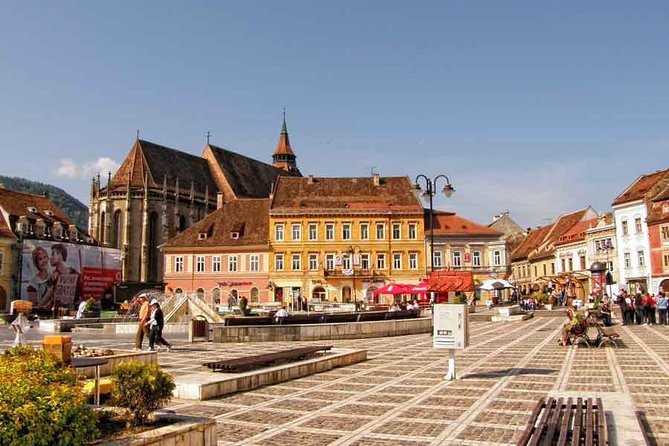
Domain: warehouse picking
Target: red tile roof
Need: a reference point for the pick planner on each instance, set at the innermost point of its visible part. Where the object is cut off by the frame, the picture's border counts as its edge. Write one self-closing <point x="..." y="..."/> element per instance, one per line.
<point x="450" y="224"/>
<point x="19" y="204"/>
<point x="641" y="187"/>
<point x="530" y="243"/>
<point x="333" y="194"/>
<point x="248" y="217"/>
<point x="577" y="232"/>
<point x="564" y="223"/>
<point x="283" y="147"/>
<point x="5" y="231"/>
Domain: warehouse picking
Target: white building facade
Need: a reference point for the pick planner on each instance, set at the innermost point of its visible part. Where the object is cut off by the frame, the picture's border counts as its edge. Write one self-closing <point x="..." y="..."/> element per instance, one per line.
<point x="632" y="245"/>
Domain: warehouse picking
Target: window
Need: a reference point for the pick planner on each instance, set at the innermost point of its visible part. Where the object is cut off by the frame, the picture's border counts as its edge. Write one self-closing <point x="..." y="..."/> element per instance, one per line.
<point x="346" y="261"/>
<point x="380" y="231"/>
<point x="413" y="231"/>
<point x="313" y="261"/>
<point x="665" y="233"/>
<point x="637" y="225"/>
<point x="436" y="259"/>
<point x="571" y="264"/>
<point x="329" y="262"/>
<point x="1" y="259"/>
<point x="397" y="260"/>
<point x="641" y="257"/>
<point x="254" y="262"/>
<point x="254" y="294"/>
<point x="476" y="258"/>
<point x="623" y="227"/>
<point x="278" y="232"/>
<point x="665" y="260"/>
<point x="380" y="260"/>
<point x="610" y="266"/>
<point x="216" y="264"/>
<point x="413" y="260"/>
<point x="364" y="231"/>
<point x="329" y="231"/>
<point x="564" y="265"/>
<point x="199" y="264"/>
<point x="544" y="268"/>
<point x="313" y="231"/>
<point x="497" y="257"/>
<point x="296" y="263"/>
<point x="457" y="259"/>
<point x="364" y="261"/>
<point x="627" y="260"/>
<point x="582" y="263"/>
<point x="346" y="231"/>
<point x="553" y="268"/>
<point x="278" y="262"/>
<point x="296" y="230"/>
<point x="178" y="264"/>
<point x="397" y="231"/>
<point x="232" y="264"/>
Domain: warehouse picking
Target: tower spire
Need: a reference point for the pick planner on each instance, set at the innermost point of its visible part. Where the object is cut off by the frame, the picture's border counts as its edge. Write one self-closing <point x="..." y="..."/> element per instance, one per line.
<point x="284" y="157"/>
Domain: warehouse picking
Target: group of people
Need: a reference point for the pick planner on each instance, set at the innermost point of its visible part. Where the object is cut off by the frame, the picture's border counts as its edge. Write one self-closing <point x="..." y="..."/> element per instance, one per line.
<point x="150" y="324"/>
<point x="403" y="306"/>
<point x="642" y="308"/>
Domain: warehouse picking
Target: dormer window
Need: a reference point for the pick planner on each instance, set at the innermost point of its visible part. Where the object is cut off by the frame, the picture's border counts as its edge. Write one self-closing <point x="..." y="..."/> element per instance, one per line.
<point x="234" y="235"/>
<point x="48" y="212"/>
<point x="32" y="209"/>
<point x="202" y="236"/>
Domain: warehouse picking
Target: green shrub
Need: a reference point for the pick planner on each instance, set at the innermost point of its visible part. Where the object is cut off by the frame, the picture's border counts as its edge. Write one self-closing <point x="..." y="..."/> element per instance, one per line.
<point x="140" y="389"/>
<point x="41" y="403"/>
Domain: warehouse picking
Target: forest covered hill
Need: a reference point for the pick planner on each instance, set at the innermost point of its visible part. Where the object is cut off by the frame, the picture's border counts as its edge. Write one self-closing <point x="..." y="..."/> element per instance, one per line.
<point x="75" y="209"/>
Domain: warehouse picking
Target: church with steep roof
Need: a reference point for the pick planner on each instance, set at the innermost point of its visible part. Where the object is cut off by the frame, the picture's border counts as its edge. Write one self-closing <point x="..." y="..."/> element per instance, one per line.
<point x="158" y="191"/>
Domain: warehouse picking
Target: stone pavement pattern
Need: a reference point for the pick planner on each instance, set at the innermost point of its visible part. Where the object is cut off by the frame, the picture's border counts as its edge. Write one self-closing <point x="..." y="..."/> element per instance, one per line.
<point x="399" y="396"/>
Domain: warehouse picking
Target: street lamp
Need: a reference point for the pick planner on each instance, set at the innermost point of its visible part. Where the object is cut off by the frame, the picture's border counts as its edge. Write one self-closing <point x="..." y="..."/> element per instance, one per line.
<point x="429" y="193"/>
<point x="607" y="247"/>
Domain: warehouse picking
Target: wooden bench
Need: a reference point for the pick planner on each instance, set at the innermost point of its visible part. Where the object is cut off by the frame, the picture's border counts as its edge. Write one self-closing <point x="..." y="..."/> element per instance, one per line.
<point x="258" y="361"/>
<point x="570" y="421"/>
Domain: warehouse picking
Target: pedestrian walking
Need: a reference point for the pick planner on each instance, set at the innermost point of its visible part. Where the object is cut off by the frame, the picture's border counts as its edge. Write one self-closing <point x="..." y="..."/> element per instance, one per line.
<point x="156" y="324"/>
<point x="142" y="321"/>
<point x="662" y="309"/>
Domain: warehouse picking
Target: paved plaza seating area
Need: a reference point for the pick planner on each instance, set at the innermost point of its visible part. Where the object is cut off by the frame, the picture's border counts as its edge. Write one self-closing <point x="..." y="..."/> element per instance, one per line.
<point x="399" y="397"/>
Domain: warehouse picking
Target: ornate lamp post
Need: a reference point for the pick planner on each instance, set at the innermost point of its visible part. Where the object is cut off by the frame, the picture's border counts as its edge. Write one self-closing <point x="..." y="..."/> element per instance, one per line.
<point x="428" y="193"/>
<point x="607" y="248"/>
<point x="351" y="253"/>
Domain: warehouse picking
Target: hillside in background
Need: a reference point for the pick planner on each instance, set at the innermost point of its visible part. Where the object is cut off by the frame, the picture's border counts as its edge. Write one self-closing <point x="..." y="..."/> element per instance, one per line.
<point x="75" y="209"/>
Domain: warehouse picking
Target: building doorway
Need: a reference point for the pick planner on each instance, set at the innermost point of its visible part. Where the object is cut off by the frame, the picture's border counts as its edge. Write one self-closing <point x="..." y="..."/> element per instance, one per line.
<point x="346" y="294"/>
<point x="664" y="287"/>
<point x="318" y="294"/>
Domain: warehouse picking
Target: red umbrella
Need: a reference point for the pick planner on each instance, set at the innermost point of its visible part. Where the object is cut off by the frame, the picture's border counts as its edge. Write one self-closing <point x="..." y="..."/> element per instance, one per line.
<point x="393" y="288"/>
<point x="421" y="288"/>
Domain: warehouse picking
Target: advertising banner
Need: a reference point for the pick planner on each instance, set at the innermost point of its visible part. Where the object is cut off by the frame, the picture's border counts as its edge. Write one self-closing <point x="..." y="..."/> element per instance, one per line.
<point x="61" y="274"/>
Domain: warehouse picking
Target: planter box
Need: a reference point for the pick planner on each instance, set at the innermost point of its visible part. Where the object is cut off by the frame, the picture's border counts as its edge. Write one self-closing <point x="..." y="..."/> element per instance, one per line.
<point x="186" y="430"/>
<point x="119" y="358"/>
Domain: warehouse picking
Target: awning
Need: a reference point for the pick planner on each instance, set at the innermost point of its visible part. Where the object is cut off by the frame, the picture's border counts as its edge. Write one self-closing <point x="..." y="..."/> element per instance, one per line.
<point x="450" y="281"/>
<point x="393" y="288"/>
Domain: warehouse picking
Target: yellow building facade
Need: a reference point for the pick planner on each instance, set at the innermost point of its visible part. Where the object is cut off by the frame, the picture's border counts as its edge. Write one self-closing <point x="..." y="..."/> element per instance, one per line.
<point x="339" y="239"/>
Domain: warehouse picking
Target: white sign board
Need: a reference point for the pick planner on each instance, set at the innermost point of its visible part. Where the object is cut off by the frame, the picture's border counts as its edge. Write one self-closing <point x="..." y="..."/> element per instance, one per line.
<point x="451" y="328"/>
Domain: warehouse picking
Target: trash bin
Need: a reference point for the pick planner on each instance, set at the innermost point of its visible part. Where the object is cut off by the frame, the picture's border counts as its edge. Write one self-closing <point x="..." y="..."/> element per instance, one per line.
<point x="61" y="346"/>
<point x="199" y="328"/>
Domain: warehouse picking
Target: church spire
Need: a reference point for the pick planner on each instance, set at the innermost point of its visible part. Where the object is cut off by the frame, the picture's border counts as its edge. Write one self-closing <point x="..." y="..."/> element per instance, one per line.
<point x="284" y="157"/>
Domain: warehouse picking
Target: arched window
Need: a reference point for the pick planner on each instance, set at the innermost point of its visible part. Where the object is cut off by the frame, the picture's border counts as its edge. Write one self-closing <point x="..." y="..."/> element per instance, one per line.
<point x="178" y="292"/>
<point x="318" y="293"/>
<point x="346" y="294"/>
<point x="117" y="235"/>
<point x="200" y="293"/>
<point x="216" y="295"/>
<point x="254" y="294"/>
<point x="103" y="222"/>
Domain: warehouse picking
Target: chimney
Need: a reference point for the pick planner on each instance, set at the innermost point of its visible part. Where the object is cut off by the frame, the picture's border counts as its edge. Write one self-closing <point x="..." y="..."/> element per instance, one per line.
<point x="310" y="179"/>
<point x="376" y="180"/>
<point x="219" y="200"/>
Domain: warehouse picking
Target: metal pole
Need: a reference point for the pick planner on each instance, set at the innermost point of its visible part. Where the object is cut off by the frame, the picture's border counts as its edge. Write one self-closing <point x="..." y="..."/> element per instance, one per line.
<point x="430" y="191"/>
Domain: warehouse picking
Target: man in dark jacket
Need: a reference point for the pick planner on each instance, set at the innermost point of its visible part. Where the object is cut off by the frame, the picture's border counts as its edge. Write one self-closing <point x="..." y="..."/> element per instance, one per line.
<point x="156" y="324"/>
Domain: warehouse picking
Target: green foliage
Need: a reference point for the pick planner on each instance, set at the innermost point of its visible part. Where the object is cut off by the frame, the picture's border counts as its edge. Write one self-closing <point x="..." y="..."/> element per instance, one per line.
<point x="541" y="298"/>
<point x="73" y="208"/>
<point x="41" y="403"/>
<point x="140" y="389"/>
<point x="90" y="304"/>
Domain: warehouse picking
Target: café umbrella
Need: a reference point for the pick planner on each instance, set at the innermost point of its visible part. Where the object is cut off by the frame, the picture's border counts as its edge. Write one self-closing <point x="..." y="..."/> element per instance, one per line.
<point x="393" y="288"/>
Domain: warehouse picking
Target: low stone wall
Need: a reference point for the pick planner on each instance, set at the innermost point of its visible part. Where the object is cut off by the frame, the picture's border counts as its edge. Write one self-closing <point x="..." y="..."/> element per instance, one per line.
<point x="322" y="332"/>
<point x="127" y="328"/>
<point x="185" y="431"/>
<point x="120" y="357"/>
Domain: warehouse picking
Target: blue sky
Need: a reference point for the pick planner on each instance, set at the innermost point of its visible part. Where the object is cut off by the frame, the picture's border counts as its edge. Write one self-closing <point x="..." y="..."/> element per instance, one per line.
<point x="537" y="107"/>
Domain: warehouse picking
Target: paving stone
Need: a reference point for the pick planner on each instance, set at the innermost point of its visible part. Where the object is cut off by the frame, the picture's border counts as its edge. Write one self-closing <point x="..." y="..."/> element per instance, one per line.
<point x="295" y="438"/>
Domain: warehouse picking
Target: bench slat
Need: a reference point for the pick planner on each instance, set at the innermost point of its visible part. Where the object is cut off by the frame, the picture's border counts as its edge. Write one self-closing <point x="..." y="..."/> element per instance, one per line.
<point x="566" y="423"/>
<point x="588" y="423"/>
<point x="576" y="432"/>
<point x="264" y="359"/>
<point x="601" y="423"/>
<point x="538" y="433"/>
<point x="553" y="422"/>
<point x="530" y="426"/>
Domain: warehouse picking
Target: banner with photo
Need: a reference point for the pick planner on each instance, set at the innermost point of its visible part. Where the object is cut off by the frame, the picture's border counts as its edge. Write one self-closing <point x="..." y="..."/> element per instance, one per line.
<point x="64" y="273"/>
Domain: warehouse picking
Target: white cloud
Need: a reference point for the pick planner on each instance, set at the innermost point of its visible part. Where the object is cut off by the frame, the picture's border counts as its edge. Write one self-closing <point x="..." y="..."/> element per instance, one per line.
<point x="67" y="168"/>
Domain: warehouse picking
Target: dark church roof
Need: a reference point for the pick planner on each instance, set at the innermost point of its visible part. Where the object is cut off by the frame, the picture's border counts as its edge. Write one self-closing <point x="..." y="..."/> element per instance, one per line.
<point x="247" y="177"/>
<point x="161" y="162"/>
